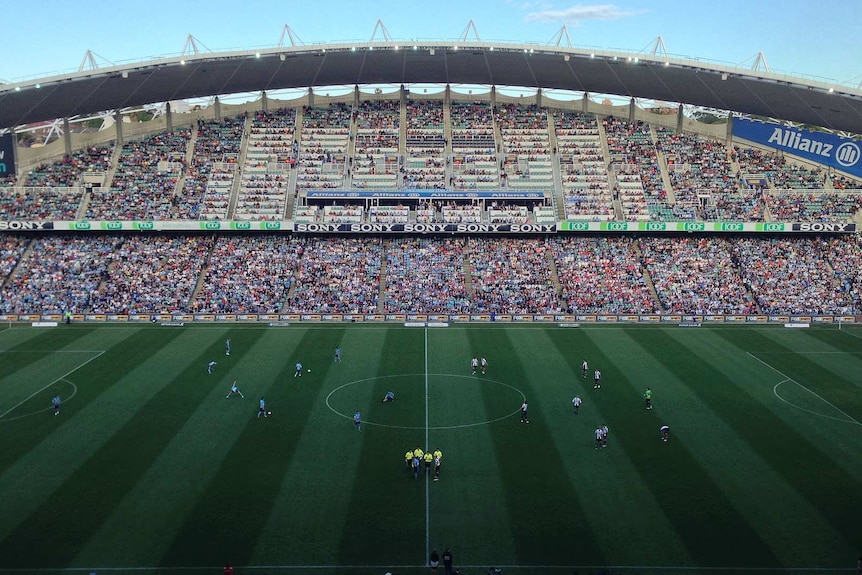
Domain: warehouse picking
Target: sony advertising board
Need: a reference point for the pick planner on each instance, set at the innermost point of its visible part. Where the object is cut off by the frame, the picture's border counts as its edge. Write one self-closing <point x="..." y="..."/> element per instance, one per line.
<point x="840" y="153"/>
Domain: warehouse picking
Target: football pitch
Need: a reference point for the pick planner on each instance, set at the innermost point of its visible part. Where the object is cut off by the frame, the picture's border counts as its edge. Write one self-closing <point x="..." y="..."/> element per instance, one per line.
<point x="150" y="468"/>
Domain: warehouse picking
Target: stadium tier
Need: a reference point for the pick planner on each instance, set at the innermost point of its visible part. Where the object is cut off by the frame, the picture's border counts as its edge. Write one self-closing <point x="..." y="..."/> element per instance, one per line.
<point x="433" y="161"/>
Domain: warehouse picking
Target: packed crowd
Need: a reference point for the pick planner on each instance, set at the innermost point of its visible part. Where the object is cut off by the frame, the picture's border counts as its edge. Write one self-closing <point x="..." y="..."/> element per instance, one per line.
<point x="248" y="274"/>
<point x="40" y="203"/>
<point x="338" y="275"/>
<point x="58" y="273"/>
<point x="277" y="273"/>
<point x="431" y="267"/>
<point x="789" y="276"/>
<point x="696" y="276"/>
<point x="512" y="275"/>
<point x="601" y="275"/>
<point x="782" y="174"/>
<point x="151" y="274"/>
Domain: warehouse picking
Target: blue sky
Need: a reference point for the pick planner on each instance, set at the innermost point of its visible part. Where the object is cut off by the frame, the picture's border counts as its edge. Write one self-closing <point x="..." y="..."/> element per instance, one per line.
<point x="818" y="38"/>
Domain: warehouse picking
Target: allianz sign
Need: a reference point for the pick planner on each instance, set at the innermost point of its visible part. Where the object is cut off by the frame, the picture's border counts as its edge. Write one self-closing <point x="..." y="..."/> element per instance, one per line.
<point x="840" y="153"/>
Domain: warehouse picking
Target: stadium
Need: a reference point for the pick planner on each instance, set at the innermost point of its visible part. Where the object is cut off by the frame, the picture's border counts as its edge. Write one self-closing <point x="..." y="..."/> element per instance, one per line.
<point x="414" y="224"/>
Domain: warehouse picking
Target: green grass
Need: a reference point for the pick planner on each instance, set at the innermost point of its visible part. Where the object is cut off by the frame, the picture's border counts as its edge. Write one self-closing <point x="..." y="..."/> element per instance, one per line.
<point x="150" y="469"/>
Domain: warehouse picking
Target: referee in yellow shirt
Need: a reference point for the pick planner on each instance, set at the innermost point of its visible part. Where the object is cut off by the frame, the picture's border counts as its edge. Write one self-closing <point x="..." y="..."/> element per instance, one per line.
<point x="408" y="459"/>
<point x="429" y="458"/>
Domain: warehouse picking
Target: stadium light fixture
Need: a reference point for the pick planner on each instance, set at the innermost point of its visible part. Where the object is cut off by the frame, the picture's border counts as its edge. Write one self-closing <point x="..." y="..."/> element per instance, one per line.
<point x="615" y="58"/>
<point x="396" y="47"/>
<point x="182" y="62"/>
<point x="353" y="48"/>
<point x="666" y="64"/>
<point x="432" y="51"/>
<point x="455" y="47"/>
<point x="257" y="54"/>
<point x="724" y="76"/>
<point x="371" y="47"/>
<point x="492" y="48"/>
<point x="592" y="55"/>
<point x="415" y="47"/>
<point x="635" y="60"/>
<point x="831" y="90"/>
<point x="125" y="74"/>
<point x="566" y="57"/>
<point x="38" y="86"/>
<point x="282" y="57"/>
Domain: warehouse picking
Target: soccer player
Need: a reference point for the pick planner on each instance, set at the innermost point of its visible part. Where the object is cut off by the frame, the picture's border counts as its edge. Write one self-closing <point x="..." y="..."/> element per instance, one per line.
<point x="474" y="364"/>
<point x="664" y="430"/>
<point x="524" y="412"/>
<point x="604" y="435"/>
<point x="337" y="358"/>
<point x="298" y="372"/>
<point x="261" y="410"/>
<point x="438" y="463"/>
<point x="227" y="346"/>
<point x="429" y="459"/>
<point x="576" y="403"/>
<point x="234" y="390"/>
<point x="584" y="369"/>
<point x="357" y="420"/>
<point x="390" y="396"/>
<point x="598" y="437"/>
<point x="55" y="401"/>
<point x="484" y="363"/>
<point x="211" y="366"/>
<point x="415" y="467"/>
<point x="648" y="398"/>
<point x="597" y="379"/>
<point x="408" y="459"/>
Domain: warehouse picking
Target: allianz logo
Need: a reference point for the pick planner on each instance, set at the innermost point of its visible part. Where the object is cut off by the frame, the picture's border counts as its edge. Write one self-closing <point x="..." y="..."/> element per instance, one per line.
<point x="847" y="154"/>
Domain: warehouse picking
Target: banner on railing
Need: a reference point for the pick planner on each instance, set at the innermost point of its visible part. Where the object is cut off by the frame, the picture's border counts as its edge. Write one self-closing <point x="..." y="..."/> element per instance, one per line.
<point x="843" y="154"/>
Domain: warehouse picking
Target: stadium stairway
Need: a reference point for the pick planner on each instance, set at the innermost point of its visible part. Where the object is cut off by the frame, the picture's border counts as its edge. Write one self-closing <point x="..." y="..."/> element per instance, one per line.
<point x="646" y="275"/>
<point x="240" y="162"/>
<point x="205" y="268"/>
<point x="181" y="181"/>
<point x="468" y="278"/>
<point x="112" y="170"/>
<point x="555" y="275"/>
<point x="612" y="178"/>
<point x="381" y="294"/>
<point x="293" y="175"/>
<point x="559" y="199"/>
<point x="662" y="164"/>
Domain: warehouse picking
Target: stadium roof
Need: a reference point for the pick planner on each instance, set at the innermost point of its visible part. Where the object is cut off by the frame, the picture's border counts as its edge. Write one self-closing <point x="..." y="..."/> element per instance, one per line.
<point x="476" y="62"/>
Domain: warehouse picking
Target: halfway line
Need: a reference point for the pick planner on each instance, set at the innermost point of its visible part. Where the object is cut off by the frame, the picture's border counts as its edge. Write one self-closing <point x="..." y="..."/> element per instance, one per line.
<point x="427" y="446"/>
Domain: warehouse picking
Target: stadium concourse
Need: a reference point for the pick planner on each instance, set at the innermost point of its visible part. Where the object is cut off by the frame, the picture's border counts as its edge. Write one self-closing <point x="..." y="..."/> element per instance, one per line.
<point x="429" y="161"/>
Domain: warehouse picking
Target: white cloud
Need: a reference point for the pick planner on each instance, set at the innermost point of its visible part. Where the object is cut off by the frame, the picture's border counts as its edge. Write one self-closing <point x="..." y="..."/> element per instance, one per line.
<point x="575" y="14"/>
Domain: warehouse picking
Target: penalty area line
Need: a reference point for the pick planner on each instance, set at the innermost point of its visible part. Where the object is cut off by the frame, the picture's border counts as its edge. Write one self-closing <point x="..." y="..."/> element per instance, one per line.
<point x="59" y="379"/>
<point x="815" y="394"/>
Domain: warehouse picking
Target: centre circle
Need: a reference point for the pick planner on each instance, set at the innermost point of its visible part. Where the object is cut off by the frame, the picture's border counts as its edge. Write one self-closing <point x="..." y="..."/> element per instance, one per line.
<point x="452" y="401"/>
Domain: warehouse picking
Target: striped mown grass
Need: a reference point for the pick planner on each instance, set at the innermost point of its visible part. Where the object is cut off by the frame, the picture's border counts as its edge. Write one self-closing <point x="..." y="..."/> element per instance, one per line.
<point x="149" y="468"/>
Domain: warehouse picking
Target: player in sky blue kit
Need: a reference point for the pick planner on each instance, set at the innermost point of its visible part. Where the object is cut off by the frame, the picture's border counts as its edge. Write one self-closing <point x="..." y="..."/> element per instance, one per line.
<point x="234" y="390"/>
<point x="261" y="410"/>
<point x="357" y="421"/>
<point x="211" y="366"/>
<point x="56" y="403"/>
<point x="298" y="372"/>
<point x="227" y="346"/>
<point x="337" y="355"/>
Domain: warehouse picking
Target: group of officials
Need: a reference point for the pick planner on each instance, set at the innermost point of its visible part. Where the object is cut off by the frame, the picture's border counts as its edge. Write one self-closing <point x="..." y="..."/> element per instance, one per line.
<point x="414" y="458"/>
